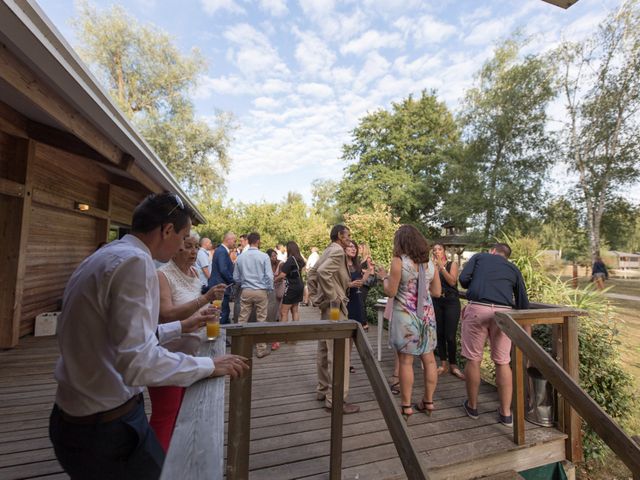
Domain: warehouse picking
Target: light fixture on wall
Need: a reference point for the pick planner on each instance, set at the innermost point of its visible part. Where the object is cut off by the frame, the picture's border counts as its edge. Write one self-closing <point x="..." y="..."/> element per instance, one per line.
<point x="83" y="207"/>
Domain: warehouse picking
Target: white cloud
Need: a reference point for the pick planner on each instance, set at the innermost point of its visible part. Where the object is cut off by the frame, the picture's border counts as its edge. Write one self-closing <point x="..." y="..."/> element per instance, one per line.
<point x="317" y="8"/>
<point x="266" y="103"/>
<point x="276" y="8"/>
<point x="372" y="40"/>
<point x="313" y="55"/>
<point x="212" y="6"/>
<point x="425" y="30"/>
<point x="253" y="54"/>
<point x="489" y="31"/>
<point x="318" y="90"/>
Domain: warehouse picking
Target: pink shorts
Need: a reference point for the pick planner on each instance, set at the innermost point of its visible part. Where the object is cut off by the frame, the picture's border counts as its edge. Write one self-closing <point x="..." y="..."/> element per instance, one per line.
<point x="477" y="325"/>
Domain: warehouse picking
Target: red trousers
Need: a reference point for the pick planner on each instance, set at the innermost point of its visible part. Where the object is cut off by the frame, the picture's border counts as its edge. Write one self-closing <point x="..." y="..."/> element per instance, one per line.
<point x="165" y="405"/>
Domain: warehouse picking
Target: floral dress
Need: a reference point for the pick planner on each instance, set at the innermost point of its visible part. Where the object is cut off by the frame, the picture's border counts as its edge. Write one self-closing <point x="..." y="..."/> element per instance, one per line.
<point x="408" y="333"/>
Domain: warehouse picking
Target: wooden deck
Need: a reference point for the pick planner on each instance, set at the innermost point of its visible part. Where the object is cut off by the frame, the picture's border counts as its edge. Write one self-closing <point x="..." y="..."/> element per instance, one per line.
<point x="289" y="427"/>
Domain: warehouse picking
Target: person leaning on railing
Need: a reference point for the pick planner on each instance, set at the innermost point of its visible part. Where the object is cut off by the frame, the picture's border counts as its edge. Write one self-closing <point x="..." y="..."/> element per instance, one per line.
<point x="109" y="341"/>
<point x="493" y="284"/>
<point x="180" y="297"/>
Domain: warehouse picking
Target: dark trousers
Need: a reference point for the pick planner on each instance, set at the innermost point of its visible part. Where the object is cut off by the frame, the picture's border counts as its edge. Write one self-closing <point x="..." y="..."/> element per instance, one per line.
<point x="225" y="310"/>
<point x="125" y="448"/>
<point x="447" y="312"/>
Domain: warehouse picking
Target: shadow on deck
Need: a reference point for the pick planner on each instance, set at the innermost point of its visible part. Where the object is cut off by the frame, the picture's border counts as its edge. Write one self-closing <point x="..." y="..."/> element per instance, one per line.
<point x="290" y="430"/>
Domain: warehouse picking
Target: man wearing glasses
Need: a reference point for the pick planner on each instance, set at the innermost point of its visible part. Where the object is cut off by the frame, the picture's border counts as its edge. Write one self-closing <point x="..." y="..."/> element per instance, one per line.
<point x="109" y="341"/>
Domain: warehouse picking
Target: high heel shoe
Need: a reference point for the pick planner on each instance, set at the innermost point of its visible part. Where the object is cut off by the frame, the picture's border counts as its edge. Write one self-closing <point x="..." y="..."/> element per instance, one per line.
<point x="403" y="411"/>
<point x="425" y="407"/>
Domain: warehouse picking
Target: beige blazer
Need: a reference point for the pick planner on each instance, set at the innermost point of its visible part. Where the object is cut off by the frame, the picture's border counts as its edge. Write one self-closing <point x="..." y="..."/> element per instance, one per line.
<point x="329" y="279"/>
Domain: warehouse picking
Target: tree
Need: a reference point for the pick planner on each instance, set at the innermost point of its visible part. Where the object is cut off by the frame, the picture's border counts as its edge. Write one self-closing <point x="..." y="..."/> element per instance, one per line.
<point x="375" y="227"/>
<point x="619" y="224"/>
<point x="506" y="157"/>
<point x="563" y="228"/>
<point x="324" y="201"/>
<point x="398" y="157"/>
<point x="600" y="81"/>
<point x="150" y="79"/>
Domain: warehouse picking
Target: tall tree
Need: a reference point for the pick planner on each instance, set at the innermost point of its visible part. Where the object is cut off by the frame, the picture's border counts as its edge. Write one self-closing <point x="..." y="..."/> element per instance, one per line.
<point x="150" y="80"/>
<point x="397" y="158"/>
<point x="324" y="201"/>
<point x="503" y="166"/>
<point x="619" y="225"/>
<point x="600" y="81"/>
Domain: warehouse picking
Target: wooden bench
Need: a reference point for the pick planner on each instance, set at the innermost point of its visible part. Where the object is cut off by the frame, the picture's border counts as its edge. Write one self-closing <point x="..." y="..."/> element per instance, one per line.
<point x="197" y="445"/>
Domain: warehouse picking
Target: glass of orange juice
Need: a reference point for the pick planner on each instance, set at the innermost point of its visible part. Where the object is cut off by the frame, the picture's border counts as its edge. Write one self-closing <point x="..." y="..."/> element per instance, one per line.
<point x="217" y="304"/>
<point x="334" y="311"/>
<point x="213" y="329"/>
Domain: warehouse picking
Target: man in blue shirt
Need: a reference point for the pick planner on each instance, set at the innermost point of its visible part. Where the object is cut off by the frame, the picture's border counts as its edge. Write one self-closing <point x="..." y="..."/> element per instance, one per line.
<point x="254" y="274"/>
<point x="222" y="272"/>
<point x="493" y="284"/>
<point x="203" y="263"/>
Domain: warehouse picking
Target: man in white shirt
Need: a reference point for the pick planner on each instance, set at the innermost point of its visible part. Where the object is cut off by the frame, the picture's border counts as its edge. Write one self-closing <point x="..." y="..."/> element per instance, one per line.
<point x="109" y="350"/>
<point x="203" y="261"/>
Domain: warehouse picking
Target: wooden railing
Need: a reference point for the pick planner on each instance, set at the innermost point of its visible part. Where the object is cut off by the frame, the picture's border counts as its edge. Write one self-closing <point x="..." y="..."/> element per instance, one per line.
<point x="246" y="335"/>
<point x="576" y="400"/>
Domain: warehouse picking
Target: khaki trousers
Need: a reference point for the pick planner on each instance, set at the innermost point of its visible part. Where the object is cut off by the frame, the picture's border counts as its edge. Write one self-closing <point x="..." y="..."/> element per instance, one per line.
<point x="250" y="299"/>
<point x="324" y="363"/>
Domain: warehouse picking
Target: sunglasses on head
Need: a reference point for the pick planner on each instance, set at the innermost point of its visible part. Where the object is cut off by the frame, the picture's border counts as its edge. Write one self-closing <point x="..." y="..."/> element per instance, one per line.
<point x="179" y="204"/>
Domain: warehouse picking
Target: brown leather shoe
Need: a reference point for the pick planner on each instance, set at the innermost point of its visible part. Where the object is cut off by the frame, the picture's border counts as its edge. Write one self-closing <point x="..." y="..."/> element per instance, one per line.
<point x="347" y="408"/>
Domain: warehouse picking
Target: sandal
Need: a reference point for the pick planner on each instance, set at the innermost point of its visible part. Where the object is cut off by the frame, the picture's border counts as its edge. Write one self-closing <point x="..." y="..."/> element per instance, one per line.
<point x="365" y="327"/>
<point x="275" y="345"/>
<point x="425" y="407"/>
<point x="352" y="370"/>
<point x="405" y="414"/>
<point x="441" y="370"/>
<point x="394" y="384"/>
<point x="456" y="372"/>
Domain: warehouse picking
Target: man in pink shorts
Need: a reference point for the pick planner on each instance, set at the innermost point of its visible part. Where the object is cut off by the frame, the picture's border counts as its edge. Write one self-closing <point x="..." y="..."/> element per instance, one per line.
<point x="493" y="284"/>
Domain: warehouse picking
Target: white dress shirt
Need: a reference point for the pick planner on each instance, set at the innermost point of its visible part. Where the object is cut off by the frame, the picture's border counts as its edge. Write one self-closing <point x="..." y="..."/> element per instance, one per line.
<point x="107" y="333"/>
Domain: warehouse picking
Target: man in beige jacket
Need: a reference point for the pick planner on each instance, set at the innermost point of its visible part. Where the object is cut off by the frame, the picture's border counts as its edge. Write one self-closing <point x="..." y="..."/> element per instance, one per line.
<point x="328" y="281"/>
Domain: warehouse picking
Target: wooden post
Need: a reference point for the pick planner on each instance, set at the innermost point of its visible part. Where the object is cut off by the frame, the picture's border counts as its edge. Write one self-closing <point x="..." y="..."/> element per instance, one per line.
<point x="575" y="274"/>
<point x="337" y="393"/>
<point x="518" y="396"/>
<point x="240" y="414"/>
<point x="636" y="438"/>
<point x="571" y="365"/>
<point x="104" y="202"/>
<point x="15" y="214"/>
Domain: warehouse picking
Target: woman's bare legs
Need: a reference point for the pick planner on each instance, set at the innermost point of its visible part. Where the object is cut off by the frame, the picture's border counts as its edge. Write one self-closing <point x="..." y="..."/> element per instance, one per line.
<point x="284" y="312"/>
<point x="295" y="313"/>
<point x="406" y="377"/>
<point x="430" y="378"/>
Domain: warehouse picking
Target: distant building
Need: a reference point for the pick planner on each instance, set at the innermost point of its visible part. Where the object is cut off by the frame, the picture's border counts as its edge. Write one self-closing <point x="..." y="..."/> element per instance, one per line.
<point x="622" y="260"/>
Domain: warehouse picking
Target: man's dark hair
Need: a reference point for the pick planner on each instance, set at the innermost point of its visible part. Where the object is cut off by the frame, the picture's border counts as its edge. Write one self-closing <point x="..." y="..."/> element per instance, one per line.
<point x="244" y="236"/>
<point x="336" y="231"/>
<point x="253" y="238"/>
<point x="503" y="249"/>
<point x="160" y="209"/>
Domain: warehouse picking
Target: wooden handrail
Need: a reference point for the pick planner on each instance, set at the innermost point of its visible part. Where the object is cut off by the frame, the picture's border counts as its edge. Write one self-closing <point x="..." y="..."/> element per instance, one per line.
<point x="245" y="335"/>
<point x="621" y="444"/>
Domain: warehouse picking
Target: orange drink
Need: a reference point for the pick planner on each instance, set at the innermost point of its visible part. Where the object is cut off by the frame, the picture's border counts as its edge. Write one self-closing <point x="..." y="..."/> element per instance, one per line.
<point x="334" y="314"/>
<point x="213" y="330"/>
<point x="217" y="303"/>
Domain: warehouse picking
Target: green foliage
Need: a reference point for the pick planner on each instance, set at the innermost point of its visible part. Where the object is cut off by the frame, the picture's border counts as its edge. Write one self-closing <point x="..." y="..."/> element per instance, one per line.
<point x="279" y="222"/>
<point x="562" y="229"/>
<point x="398" y="157"/>
<point x="377" y="228"/>
<point x="601" y="372"/>
<point x="150" y="80"/>
<point x="507" y="147"/>
<point x="619" y="227"/>
<point x="324" y="201"/>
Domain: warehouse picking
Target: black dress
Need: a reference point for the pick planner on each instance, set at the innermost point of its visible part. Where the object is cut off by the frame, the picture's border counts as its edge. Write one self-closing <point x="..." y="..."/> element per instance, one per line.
<point x="294" y="287"/>
<point x="355" y="306"/>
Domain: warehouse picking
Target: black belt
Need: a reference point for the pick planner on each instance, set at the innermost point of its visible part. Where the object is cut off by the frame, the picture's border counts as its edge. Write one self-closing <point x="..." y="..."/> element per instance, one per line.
<point x="104" y="417"/>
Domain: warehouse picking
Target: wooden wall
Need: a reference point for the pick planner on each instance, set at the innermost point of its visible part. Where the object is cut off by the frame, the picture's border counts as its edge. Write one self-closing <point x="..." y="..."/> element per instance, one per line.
<point x="55" y="236"/>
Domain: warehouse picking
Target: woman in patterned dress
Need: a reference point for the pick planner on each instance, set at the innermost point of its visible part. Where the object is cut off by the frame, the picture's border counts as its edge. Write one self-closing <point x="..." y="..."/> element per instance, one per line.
<point x="412" y="282"/>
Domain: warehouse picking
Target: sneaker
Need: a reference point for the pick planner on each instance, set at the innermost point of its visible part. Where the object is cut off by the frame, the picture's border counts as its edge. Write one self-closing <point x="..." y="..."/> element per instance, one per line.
<point x="471" y="412"/>
<point x="506" y="420"/>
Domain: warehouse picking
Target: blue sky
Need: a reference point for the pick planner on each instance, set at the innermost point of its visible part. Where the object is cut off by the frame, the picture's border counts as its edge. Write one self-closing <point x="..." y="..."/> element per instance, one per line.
<point x="299" y="74"/>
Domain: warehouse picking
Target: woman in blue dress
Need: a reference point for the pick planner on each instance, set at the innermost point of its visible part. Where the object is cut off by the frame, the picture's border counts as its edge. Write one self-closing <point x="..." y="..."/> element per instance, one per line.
<point x="412" y="282"/>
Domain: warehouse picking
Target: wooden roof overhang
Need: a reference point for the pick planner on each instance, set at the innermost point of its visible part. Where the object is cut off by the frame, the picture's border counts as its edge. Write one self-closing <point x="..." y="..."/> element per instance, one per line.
<point x="44" y="81"/>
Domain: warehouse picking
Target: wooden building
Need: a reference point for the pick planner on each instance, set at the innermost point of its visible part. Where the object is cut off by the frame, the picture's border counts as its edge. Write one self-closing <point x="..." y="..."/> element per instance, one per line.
<point x="72" y="168"/>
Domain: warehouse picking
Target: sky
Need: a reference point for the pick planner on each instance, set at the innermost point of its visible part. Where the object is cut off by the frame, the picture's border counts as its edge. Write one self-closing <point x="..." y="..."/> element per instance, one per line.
<point x="298" y="75"/>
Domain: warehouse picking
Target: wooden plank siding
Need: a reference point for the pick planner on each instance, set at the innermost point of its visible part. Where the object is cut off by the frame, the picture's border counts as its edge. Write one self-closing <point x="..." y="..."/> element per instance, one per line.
<point x="56" y="236"/>
<point x="290" y="431"/>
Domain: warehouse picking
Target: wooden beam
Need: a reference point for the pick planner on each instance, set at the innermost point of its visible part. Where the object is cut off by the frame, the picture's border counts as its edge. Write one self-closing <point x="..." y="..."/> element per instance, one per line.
<point x="561" y="3"/>
<point x="104" y="224"/>
<point x="587" y="408"/>
<point x="14" y="229"/>
<point x="12" y="122"/>
<point x="63" y="140"/>
<point x="518" y="396"/>
<point x="571" y="364"/>
<point x="11" y="188"/>
<point x="337" y="393"/>
<point x="22" y="79"/>
<point x="239" y="431"/>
